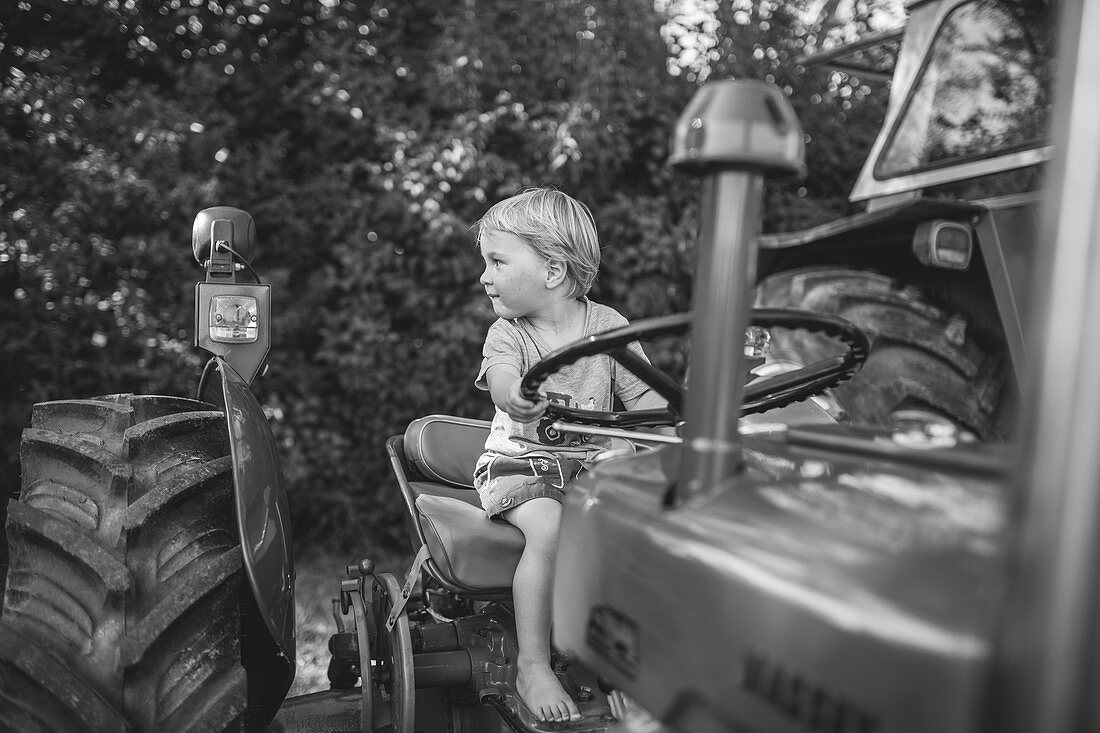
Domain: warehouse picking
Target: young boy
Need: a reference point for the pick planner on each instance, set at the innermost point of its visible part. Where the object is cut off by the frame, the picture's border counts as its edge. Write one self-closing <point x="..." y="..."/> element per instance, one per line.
<point x="541" y="256"/>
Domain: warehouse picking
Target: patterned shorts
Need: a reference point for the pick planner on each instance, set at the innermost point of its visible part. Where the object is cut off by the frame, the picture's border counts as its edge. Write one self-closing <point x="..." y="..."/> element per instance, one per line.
<point x="504" y="482"/>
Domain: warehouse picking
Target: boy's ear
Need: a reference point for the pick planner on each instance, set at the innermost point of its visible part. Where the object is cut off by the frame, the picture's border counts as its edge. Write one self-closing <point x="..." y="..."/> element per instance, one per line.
<point x="555" y="273"/>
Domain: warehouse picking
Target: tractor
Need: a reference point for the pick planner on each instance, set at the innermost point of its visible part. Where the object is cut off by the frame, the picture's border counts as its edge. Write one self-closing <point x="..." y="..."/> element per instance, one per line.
<point x="853" y="529"/>
<point x="936" y="268"/>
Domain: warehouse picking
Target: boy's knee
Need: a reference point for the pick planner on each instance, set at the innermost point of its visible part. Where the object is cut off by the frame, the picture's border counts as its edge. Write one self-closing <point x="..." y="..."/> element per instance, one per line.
<point x="544" y="535"/>
<point x="538" y="519"/>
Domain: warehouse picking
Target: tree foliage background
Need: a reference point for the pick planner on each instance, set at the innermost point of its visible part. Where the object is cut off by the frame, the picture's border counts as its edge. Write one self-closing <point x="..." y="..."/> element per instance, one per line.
<point x="365" y="137"/>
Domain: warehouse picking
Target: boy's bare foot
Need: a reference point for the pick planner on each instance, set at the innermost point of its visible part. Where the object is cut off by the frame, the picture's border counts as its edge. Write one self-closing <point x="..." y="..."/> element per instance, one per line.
<point x="540" y="690"/>
<point x="617" y="702"/>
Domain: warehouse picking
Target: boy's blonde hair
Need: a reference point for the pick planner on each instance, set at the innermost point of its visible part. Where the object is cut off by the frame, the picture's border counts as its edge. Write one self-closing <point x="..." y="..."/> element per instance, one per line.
<point x="556" y="225"/>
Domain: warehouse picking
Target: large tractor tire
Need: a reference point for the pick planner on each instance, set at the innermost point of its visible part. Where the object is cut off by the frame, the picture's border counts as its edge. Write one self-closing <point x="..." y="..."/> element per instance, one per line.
<point x="123" y="597"/>
<point x="922" y="358"/>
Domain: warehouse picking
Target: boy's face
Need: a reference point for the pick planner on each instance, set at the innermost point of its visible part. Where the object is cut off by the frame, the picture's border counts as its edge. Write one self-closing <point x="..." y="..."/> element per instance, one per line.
<point x="515" y="276"/>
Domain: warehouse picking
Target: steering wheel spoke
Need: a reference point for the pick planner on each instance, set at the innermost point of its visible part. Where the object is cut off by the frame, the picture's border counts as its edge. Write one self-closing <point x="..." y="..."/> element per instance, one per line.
<point x="661" y="383"/>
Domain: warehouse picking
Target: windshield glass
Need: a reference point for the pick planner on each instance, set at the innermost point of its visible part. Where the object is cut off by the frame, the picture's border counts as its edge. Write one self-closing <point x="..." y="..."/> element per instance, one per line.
<point x="985" y="89"/>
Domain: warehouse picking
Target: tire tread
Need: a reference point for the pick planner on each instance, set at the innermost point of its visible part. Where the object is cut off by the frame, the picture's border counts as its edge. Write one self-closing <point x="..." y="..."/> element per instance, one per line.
<point x="921" y="354"/>
<point x="125" y="571"/>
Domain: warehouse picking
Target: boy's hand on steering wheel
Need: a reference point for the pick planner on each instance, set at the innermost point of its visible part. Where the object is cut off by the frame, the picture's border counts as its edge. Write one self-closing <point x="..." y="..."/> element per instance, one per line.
<point x="521" y="409"/>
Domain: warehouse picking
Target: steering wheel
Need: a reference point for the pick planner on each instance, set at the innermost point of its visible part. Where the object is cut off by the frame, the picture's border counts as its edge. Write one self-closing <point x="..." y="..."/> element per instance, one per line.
<point x="760" y="396"/>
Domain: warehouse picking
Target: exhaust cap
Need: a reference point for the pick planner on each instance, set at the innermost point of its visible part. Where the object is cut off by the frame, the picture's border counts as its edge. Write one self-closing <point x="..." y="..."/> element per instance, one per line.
<point x="743" y="125"/>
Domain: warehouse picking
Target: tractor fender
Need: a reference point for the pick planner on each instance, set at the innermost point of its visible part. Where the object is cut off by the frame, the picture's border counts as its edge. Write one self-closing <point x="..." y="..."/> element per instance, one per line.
<point x="263" y="518"/>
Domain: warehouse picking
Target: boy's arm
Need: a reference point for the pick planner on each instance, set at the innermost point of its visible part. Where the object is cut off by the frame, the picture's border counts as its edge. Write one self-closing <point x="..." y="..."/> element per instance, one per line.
<point x="503" y="381"/>
<point x="648" y="400"/>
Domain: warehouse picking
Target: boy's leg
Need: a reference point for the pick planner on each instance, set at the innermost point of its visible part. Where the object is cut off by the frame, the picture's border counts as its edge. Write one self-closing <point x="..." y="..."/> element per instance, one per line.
<point x="532" y="586"/>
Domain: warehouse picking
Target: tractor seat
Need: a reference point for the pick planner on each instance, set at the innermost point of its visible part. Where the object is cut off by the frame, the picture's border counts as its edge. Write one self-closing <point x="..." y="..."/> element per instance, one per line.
<point x="434" y="461"/>
<point x="469" y="553"/>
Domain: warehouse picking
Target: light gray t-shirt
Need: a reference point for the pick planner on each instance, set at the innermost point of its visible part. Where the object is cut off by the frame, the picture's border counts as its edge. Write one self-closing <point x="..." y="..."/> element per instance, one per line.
<point x="588" y="384"/>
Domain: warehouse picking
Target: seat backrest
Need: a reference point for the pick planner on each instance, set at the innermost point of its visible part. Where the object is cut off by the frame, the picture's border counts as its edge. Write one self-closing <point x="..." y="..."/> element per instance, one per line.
<point x="445" y="448"/>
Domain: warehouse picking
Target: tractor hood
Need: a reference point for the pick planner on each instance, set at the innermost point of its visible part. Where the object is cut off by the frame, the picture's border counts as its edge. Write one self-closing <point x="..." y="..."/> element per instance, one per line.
<point x="882" y="224"/>
<point x="834" y="555"/>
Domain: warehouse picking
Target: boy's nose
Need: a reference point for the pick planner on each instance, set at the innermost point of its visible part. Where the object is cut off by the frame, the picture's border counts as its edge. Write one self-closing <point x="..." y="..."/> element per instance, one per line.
<point x="485" y="279"/>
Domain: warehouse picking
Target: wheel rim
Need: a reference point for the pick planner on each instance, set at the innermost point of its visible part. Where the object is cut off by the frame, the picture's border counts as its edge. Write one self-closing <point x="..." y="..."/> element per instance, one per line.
<point x="394" y="653"/>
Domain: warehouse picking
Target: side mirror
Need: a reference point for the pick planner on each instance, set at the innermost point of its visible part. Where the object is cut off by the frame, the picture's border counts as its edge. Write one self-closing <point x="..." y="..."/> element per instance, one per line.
<point x="232" y="319"/>
<point x="223" y="224"/>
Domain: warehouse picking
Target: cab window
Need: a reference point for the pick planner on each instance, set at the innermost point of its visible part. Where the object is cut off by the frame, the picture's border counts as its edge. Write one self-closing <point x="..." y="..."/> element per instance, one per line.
<point x="985" y="89"/>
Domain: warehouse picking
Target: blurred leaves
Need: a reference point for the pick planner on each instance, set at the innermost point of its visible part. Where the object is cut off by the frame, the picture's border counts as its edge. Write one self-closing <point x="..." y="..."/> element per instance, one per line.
<point x="365" y="138"/>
